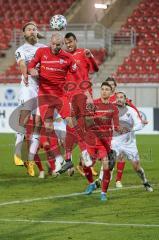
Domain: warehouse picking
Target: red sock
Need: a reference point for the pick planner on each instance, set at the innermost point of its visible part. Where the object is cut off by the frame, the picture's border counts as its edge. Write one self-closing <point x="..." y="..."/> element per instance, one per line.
<point x="38" y="163"/>
<point x="88" y="174"/>
<point x="106" y="180"/>
<point x="50" y="160"/>
<point x="51" y="163"/>
<point x="120" y="169"/>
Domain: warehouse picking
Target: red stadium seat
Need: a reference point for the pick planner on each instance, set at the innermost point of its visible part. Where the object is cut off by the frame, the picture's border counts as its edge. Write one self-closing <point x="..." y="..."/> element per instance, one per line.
<point x="144" y="59"/>
<point x="15" y="13"/>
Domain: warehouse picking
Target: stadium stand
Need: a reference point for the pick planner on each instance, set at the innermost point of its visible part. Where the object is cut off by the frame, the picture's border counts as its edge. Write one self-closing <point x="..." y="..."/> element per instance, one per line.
<point x="16" y="13"/>
<point x="142" y="65"/>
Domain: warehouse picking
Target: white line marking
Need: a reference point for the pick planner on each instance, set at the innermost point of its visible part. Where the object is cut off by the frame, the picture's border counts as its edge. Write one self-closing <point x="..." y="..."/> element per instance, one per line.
<point x="82" y="222"/>
<point x="61" y="196"/>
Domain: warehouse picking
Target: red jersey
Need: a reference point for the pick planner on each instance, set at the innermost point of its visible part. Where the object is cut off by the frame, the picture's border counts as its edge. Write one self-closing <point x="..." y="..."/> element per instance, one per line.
<point x="105" y="119"/>
<point x="85" y="65"/>
<point x="53" y="69"/>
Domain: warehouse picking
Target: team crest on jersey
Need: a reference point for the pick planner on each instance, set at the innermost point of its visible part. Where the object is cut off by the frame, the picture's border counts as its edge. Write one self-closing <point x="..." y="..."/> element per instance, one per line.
<point x="61" y="61"/>
<point x="45" y="56"/>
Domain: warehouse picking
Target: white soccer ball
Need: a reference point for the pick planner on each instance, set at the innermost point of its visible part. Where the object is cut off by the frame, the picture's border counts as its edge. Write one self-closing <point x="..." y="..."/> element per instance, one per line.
<point x="58" y="22"/>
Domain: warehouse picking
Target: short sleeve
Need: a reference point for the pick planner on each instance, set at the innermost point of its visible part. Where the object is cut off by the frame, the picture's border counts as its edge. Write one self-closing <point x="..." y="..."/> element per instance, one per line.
<point x="19" y="55"/>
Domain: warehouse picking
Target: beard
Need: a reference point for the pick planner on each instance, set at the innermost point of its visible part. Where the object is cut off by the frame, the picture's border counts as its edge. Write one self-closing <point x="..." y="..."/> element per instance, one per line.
<point x="31" y="39"/>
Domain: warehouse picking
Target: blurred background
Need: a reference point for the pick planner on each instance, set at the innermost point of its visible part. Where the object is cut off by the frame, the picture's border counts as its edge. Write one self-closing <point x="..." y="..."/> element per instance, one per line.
<point x="123" y="35"/>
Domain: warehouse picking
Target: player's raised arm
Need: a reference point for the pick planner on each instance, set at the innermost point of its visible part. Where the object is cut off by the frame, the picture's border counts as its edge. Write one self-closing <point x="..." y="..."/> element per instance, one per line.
<point x="20" y="58"/>
<point x="32" y="64"/>
<point x="129" y="103"/>
<point x="91" y="60"/>
<point x="138" y="125"/>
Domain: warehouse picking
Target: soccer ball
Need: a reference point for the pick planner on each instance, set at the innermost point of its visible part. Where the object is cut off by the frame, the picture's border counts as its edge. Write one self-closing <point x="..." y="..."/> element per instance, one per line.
<point x="58" y="22"/>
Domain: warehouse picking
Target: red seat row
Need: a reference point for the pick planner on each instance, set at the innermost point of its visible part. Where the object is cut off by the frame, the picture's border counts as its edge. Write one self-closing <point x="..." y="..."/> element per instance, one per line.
<point x="14" y="14"/>
<point x="142" y="65"/>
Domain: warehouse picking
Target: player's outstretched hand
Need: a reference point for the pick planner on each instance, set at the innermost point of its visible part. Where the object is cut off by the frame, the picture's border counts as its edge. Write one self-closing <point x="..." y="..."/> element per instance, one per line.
<point x="34" y="72"/>
<point x="145" y="122"/>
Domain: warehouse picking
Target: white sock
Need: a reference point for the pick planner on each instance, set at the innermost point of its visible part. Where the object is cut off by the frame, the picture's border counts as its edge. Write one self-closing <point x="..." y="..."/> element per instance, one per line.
<point x="19" y="143"/>
<point x="59" y="159"/>
<point x="101" y="173"/>
<point x="141" y="174"/>
<point x="33" y="146"/>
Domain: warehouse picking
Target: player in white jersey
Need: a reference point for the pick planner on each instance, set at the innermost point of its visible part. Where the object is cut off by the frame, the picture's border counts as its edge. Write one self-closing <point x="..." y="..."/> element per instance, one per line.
<point x="27" y="94"/>
<point x="125" y="144"/>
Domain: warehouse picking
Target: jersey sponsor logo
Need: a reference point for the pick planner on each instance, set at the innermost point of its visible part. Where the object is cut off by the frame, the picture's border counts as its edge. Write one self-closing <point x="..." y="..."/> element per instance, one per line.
<point x="62" y="61"/>
<point x="54" y="69"/>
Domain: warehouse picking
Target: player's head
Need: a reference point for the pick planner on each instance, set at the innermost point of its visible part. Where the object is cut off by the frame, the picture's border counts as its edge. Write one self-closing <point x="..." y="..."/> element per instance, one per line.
<point x="56" y="42"/>
<point x="106" y="90"/>
<point x="30" y="32"/>
<point x="112" y="82"/>
<point x="70" y="42"/>
<point x="120" y="98"/>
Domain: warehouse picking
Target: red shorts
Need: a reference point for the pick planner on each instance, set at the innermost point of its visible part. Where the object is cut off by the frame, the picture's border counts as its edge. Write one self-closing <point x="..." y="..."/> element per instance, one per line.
<point x="48" y="103"/>
<point x="97" y="148"/>
<point x="97" y="152"/>
<point x="53" y="141"/>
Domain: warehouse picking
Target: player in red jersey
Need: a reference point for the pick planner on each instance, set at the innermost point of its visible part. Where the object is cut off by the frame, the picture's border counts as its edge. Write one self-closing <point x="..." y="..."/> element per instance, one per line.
<point x="81" y="90"/>
<point x="54" y="66"/>
<point x="121" y="164"/>
<point x="99" y="134"/>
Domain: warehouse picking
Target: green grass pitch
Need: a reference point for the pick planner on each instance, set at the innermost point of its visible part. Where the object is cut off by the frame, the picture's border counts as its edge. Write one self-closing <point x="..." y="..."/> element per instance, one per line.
<point x="34" y="209"/>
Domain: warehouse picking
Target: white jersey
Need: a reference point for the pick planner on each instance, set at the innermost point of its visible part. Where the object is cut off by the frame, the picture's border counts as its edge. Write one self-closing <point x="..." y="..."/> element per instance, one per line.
<point x="126" y="143"/>
<point x="26" y="52"/>
<point x="129" y="119"/>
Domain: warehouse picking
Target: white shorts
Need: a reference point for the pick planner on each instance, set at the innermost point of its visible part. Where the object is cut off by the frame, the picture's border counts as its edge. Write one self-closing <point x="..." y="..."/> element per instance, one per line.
<point x="28" y="98"/>
<point x="130" y="150"/>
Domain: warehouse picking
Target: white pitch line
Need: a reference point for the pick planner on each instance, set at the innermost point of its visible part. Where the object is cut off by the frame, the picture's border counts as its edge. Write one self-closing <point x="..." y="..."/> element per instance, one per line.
<point x="83" y="222"/>
<point x="60" y="196"/>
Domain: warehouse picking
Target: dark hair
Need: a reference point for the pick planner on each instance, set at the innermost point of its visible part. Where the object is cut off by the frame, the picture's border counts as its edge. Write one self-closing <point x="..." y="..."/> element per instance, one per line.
<point x="122" y="93"/>
<point x="106" y="84"/>
<point x="112" y="80"/>
<point x="70" y="34"/>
